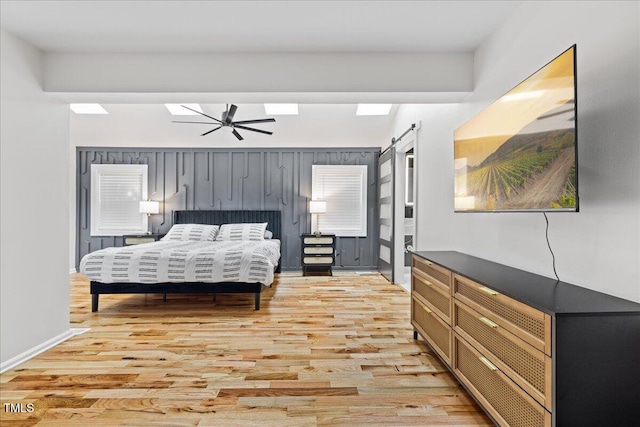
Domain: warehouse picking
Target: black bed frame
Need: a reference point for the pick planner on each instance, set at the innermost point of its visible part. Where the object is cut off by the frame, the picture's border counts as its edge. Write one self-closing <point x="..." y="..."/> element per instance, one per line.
<point x="273" y="218"/>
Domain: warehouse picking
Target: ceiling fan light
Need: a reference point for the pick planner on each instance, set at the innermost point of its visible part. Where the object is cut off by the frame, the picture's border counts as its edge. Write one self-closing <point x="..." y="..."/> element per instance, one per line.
<point x="228" y="124"/>
<point x="373" y="109"/>
<point x="281" y="109"/>
<point x="178" y="110"/>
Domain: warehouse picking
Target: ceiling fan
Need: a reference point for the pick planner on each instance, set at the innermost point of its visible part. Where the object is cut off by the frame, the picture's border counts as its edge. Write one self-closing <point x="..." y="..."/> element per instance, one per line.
<point x="227" y="121"/>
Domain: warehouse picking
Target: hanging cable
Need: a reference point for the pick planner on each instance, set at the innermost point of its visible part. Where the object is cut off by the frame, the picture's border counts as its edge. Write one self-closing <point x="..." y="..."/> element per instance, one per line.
<point x="553" y="257"/>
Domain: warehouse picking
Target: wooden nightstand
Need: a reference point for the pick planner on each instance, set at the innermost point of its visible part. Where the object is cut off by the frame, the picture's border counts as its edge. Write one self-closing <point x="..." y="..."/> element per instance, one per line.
<point x="318" y="254"/>
<point x="137" y="239"/>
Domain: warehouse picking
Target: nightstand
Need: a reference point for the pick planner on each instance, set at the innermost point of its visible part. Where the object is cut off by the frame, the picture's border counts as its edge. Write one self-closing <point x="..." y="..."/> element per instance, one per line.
<point x="136" y="239"/>
<point x="318" y="254"/>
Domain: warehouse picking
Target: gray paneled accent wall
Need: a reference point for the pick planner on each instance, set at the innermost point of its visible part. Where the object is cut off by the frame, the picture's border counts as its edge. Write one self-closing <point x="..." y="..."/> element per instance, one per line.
<point x="196" y="178"/>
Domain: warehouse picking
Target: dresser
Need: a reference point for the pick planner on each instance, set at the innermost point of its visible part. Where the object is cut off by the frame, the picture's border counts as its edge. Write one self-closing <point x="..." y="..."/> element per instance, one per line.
<point x="318" y="254"/>
<point x="532" y="351"/>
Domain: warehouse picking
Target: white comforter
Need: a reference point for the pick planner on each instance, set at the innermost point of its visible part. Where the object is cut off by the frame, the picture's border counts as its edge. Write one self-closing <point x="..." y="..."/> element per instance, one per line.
<point x="185" y="261"/>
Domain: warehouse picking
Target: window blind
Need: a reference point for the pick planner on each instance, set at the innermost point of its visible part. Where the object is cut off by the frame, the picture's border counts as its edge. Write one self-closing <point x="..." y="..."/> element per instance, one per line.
<point x="116" y="192"/>
<point x="344" y="188"/>
<point x="120" y="197"/>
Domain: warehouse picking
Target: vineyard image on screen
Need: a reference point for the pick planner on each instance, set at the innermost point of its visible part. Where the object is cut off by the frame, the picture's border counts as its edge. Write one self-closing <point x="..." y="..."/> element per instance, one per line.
<point x="520" y="152"/>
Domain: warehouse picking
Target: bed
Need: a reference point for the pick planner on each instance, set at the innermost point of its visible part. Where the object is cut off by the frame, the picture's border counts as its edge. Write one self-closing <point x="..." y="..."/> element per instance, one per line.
<point x="213" y="278"/>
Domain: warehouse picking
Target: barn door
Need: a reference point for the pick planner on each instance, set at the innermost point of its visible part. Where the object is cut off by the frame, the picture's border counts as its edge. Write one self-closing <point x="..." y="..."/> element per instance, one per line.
<point x="386" y="173"/>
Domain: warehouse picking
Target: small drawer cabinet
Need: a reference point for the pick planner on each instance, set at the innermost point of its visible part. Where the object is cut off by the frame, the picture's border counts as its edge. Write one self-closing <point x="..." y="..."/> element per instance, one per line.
<point x="318" y="254"/>
<point x="137" y="239"/>
<point x="533" y="352"/>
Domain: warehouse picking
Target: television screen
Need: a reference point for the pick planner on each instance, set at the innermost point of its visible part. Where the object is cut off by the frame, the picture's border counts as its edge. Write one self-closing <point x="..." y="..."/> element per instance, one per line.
<point x="519" y="154"/>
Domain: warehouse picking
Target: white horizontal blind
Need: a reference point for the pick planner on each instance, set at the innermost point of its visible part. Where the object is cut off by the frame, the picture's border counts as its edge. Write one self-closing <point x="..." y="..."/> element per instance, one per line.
<point x="344" y="188"/>
<point x="120" y="196"/>
<point x="116" y="192"/>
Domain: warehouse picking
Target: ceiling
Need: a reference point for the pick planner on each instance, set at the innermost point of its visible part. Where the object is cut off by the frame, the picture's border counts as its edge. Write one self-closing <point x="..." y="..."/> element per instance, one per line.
<point x="316" y="125"/>
<point x="254" y="26"/>
<point x="250" y="27"/>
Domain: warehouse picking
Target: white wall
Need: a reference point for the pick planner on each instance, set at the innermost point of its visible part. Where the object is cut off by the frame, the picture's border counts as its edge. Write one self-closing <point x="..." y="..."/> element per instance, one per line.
<point x="599" y="247"/>
<point x="34" y="285"/>
<point x="434" y="168"/>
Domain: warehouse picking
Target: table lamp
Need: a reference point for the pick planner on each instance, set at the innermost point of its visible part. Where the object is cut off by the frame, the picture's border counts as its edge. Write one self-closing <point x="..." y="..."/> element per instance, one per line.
<point x="149" y="207"/>
<point x="317" y="207"/>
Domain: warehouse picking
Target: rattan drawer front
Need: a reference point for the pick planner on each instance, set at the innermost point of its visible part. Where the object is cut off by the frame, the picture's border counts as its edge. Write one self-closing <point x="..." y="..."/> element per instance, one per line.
<point x="138" y="240"/>
<point x="318" y="260"/>
<point x="529" y="367"/>
<point x="501" y="397"/>
<point x="318" y="250"/>
<point x="436" y="294"/>
<point x="318" y="240"/>
<point x="437" y="273"/>
<point x="432" y="328"/>
<point x="526" y="322"/>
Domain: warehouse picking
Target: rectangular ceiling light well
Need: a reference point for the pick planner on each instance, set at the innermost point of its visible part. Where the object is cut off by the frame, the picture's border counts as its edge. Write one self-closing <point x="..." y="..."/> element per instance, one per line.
<point x="373" y="109"/>
<point x="178" y="110"/>
<point x="87" y="109"/>
<point x="281" y="109"/>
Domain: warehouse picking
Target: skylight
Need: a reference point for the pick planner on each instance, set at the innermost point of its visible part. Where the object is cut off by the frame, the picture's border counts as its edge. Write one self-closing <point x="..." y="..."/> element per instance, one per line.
<point x="281" y="109"/>
<point x="178" y="110"/>
<point x="87" y="109"/>
<point x="373" y="109"/>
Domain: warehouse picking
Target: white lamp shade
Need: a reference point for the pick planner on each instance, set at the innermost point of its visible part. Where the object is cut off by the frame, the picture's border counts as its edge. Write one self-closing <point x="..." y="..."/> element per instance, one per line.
<point x="149" y="207"/>
<point x="317" y="206"/>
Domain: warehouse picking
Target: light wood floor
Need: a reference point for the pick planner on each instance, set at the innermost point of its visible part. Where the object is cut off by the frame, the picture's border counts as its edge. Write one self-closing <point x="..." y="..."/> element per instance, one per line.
<point x="322" y="351"/>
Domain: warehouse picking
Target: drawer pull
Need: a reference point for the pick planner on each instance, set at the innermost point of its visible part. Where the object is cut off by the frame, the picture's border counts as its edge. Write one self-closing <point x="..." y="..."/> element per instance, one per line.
<point x="488" y="322"/>
<point x="427" y="310"/>
<point x="489" y="291"/>
<point x="488" y="364"/>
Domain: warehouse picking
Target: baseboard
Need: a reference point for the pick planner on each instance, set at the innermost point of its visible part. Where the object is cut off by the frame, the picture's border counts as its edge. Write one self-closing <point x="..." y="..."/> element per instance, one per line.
<point x="72" y="271"/>
<point x="40" y="348"/>
<point x="406" y="290"/>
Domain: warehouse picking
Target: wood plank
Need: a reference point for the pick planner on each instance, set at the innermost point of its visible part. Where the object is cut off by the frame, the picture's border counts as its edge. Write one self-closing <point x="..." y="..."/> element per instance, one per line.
<point x="322" y="351"/>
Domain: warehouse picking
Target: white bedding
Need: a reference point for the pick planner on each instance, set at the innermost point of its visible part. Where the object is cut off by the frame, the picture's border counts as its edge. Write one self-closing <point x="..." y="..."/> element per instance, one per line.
<point x="185" y="261"/>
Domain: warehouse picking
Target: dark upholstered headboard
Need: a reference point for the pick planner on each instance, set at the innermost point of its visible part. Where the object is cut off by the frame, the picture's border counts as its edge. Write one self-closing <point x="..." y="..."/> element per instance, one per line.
<point x="230" y="217"/>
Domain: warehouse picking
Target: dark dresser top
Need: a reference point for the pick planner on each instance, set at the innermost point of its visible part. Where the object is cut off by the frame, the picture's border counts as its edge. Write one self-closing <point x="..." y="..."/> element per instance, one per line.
<point x="545" y="294"/>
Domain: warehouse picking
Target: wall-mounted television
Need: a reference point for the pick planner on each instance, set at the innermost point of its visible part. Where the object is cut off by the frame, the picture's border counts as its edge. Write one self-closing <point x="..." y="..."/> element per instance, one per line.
<point x="520" y="153"/>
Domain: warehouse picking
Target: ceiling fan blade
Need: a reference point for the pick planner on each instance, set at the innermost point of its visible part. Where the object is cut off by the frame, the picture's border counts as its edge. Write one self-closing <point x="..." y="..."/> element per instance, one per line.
<point x="230" y="113"/>
<point x="237" y="135"/>
<point x="206" y="115"/>
<point x="204" y="123"/>
<point x="212" y="130"/>
<point x="254" y="130"/>
<point x="248" y="122"/>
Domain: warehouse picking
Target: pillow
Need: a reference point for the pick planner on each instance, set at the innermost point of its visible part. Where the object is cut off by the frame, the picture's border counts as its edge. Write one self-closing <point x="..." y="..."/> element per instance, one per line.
<point x="268" y="234"/>
<point x="192" y="232"/>
<point x="251" y="231"/>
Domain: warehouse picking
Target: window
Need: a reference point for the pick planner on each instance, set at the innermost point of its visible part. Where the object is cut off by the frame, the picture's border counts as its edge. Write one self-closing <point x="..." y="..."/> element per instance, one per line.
<point x="344" y="188"/>
<point x="116" y="192"/>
